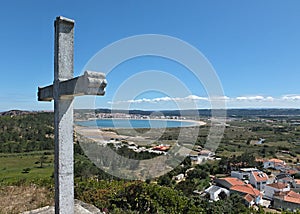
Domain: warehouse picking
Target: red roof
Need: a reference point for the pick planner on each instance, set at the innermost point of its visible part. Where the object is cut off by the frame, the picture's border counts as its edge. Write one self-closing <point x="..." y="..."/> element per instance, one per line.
<point x="204" y="152"/>
<point x="291" y="171"/>
<point x="233" y="181"/>
<point x="297" y="181"/>
<point x="275" y="160"/>
<point x="293" y="194"/>
<point x="289" y="196"/>
<point x="292" y="197"/>
<point x="246" y="188"/>
<point x="161" y="148"/>
<point x="260" y="160"/>
<point x="260" y="176"/>
<point x="248" y="198"/>
<point x="278" y="185"/>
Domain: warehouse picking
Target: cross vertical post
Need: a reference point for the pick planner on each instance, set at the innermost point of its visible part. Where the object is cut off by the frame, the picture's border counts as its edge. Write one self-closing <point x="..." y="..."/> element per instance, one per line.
<point x="62" y="91"/>
<point x="63" y="117"/>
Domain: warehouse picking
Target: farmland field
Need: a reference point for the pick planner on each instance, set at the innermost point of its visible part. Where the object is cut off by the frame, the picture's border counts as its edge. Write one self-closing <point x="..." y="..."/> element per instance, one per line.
<point x="16" y="167"/>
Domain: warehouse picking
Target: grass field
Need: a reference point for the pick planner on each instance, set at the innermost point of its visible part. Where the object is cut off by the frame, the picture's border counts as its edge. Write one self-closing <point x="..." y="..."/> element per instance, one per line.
<point x="16" y="167"/>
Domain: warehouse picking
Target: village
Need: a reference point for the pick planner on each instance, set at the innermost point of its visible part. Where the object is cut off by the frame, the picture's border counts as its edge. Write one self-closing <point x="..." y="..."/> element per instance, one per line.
<point x="122" y="115"/>
<point x="272" y="185"/>
<point x="277" y="189"/>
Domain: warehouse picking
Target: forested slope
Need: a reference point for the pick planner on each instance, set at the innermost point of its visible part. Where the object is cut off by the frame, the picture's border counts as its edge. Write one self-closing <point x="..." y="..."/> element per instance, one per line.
<point x="27" y="132"/>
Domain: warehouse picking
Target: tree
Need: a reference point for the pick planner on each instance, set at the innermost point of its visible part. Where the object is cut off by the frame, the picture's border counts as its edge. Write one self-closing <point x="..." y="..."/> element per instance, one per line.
<point x="164" y="180"/>
<point x="222" y="195"/>
<point x="152" y="198"/>
<point x="42" y="160"/>
<point x="26" y="170"/>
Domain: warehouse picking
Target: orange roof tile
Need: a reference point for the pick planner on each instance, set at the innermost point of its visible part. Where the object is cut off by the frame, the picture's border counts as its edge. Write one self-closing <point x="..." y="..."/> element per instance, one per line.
<point x="291" y="171"/>
<point x="248" y="198"/>
<point x="293" y="194"/>
<point x="161" y="148"/>
<point x="275" y="160"/>
<point x="292" y="197"/>
<point x="260" y="160"/>
<point x="289" y="196"/>
<point x="246" y="188"/>
<point x="297" y="181"/>
<point x="260" y="176"/>
<point x="233" y="181"/>
<point x="278" y="185"/>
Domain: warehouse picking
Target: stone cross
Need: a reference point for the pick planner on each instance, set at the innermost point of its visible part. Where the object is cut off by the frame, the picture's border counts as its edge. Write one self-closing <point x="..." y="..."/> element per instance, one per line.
<point x="63" y="90"/>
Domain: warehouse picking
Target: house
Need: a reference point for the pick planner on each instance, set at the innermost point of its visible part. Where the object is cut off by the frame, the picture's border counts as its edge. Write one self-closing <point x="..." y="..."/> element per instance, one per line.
<point x="250" y="194"/>
<point x="200" y="157"/>
<point x="291" y="171"/>
<point x="206" y="153"/>
<point x="274" y="163"/>
<point x="161" y="147"/>
<point x="228" y="182"/>
<point x="259" y="160"/>
<point x="258" y="179"/>
<point x="271" y="189"/>
<point x="197" y="159"/>
<point x="240" y="175"/>
<point x="287" y="200"/>
<point x="261" y="141"/>
<point x="188" y="170"/>
<point x="297" y="182"/>
<point x="178" y="177"/>
<point x="216" y="193"/>
<point x="249" y="200"/>
<point x="286" y="178"/>
<point x="243" y="173"/>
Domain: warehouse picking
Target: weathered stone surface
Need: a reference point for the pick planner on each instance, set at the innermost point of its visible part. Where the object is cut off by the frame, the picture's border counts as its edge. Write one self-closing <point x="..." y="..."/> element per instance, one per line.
<point x="91" y="83"/>
<point x="63" y="90"/>
<point x="63" y="117"/>
<point x="79" y="208"/>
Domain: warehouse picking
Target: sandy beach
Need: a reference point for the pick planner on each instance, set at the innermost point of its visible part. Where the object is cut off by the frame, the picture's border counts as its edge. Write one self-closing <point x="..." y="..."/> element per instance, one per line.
<point x="106" y="134"/>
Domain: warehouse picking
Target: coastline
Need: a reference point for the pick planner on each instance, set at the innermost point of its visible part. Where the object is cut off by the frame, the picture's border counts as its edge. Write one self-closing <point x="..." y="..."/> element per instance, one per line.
<point x="107" y="133"/>
<point x="193" y="122"/>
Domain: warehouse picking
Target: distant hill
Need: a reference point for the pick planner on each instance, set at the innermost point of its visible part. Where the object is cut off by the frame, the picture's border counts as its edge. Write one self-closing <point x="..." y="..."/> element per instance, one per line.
<point x="208" y="112"/>
<point x="263" y="112"/>
<point x="15" y="113"/>
<point x="201" y="112"/>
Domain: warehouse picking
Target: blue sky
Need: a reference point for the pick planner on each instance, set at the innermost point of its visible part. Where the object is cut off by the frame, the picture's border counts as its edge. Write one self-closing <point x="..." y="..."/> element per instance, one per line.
<point x="254" y="47"/>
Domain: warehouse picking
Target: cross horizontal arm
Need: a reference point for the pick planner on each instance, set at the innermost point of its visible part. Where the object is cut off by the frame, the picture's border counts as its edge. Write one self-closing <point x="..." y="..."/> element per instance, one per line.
<point x="91" y="83"/>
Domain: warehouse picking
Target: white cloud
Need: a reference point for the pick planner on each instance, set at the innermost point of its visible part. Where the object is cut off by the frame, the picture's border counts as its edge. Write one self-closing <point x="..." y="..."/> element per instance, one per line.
<point x="291" y="97"/>
<point x="162" y="99"/>
<point x="269" y="98"/>
<point x="253" y="101"/>
<point x="255" y="98"/>
<point x="195" y="97"/>
<point x="251" y="98"/>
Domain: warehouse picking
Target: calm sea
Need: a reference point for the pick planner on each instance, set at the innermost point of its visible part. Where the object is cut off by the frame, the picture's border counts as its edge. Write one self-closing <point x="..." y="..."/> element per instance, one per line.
<point x="135" y="123"/>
